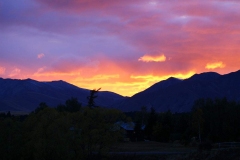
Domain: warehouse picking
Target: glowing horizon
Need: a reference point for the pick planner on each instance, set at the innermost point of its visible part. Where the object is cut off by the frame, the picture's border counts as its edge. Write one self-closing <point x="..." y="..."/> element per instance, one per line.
<point x="120" y="46"/>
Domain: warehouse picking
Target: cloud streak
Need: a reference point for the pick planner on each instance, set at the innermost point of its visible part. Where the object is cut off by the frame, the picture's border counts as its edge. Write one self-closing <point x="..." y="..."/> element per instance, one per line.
<point x="149" y="58"/>
<point x="111" y="44"/>
<point x="14" y="73"/>
<point x="215" y="65"/>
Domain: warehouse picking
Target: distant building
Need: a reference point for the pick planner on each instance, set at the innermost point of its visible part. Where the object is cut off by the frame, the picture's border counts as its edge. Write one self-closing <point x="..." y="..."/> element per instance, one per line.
<point x="128" y="131"/>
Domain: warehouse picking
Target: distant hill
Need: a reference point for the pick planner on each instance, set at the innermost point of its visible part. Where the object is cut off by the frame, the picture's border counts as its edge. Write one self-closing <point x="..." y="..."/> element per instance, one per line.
<point x="25" y="95"/>
<point x="171" y="94"/>
<point x="179" y="95"/>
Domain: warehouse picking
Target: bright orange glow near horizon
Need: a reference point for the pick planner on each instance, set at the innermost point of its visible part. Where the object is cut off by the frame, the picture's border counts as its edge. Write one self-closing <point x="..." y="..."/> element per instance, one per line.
<point x="126" y="85"/>
<point x="119" y="46"/>
<point x="129" y="87"/>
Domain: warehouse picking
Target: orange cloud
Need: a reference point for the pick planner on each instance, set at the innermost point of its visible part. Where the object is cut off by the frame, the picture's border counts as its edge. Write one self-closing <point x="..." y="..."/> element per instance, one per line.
<point x="215" y="65"/>
<point x="41" y="55"/>
<point x="117" y="77"/>
<point x="149" y="58"/>
<point x="2" y="70"/>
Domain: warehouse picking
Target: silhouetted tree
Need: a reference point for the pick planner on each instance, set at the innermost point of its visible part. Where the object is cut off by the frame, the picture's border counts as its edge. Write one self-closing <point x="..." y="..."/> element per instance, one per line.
<point x="72" y="105"/>
<point x="91" y="98"/>
<point x="216" y="120"/>
<point x="138" y="132"/>
<point x="10" y="139"/>
<point x="61" y="108"/>
<point x="152" y="119"/>
<point x="46" y="135"/>
<point x="197" y="121"/>
<point x="41" y="106"/>
<point x="144" y="113"/>
<point x="8" y="114"/>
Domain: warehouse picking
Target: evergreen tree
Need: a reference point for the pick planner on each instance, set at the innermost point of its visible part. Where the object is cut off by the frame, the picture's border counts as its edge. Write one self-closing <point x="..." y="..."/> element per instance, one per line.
<point x="152" y="119"/>
<point x="72" y="105"/>
<point x="91" y="98"/>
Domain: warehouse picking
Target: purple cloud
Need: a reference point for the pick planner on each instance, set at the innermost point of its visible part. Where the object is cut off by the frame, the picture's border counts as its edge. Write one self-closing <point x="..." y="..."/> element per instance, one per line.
<point x="97" y="38"/>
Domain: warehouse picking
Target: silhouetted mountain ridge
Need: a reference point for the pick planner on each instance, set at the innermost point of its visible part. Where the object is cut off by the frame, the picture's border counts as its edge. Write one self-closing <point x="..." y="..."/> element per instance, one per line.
<point x="25" y="95"/>
<point x="181" y="94"/>
<point x="207" y="76"/>
<point x="170" y="94"/>
<point x="161" y="85"/>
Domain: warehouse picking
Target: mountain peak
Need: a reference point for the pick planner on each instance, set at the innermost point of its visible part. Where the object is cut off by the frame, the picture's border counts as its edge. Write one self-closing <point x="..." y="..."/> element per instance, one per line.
<point x="161" y="85"/>
<point x="25" y="95"/>
<point x="179" y="95"/>
<point x="29" y="79"/>
<point x="172" y="79"/>
<point x="205" y="76"/>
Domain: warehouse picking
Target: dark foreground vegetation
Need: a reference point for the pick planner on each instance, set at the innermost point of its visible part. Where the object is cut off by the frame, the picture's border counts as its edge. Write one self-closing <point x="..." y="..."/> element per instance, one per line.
<point x="209" y="121"/>
<point x="71" y="131"/>
<point x="51" y="134"/>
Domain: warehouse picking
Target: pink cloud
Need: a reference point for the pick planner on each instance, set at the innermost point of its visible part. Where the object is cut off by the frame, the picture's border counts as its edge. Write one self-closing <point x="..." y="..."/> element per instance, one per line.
<point x="41" y="55"/>
<point x="14" y="73"/>
<point x="192" y="33"/>
<point x="2" y="70"/>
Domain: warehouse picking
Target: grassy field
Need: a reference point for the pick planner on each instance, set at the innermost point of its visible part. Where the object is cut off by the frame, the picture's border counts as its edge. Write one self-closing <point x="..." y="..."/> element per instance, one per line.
<point x="183" y="153"/>
<point x="150" y="146"/>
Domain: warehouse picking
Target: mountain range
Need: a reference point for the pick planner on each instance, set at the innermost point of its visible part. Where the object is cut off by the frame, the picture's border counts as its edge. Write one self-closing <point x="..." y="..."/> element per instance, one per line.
<point x="179" y="95"/>
<point x="171" y="94"/>
<point x="26" y="95"/>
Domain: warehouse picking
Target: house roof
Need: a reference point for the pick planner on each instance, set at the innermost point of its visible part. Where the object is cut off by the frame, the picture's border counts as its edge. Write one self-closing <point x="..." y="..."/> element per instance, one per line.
<point x="129" y="126"/>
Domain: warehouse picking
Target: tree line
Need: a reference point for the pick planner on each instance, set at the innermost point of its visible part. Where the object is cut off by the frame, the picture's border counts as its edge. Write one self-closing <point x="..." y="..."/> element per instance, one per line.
<point x="48" y="133"/>
<point x="210" y="120"/>
<point x="73" y="131"/>
<point x="68" y="131"/>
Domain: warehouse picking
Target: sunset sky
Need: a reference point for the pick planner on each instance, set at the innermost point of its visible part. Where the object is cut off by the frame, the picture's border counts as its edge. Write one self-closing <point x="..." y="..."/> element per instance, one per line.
<point x="122" y="46"/>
